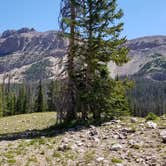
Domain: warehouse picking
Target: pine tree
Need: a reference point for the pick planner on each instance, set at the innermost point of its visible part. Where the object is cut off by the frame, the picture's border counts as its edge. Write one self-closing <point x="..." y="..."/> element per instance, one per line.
<point x="12" y="105"/>
<point x="94" y="42"/>
<point x="21" y="104"/>
<point x="101" y="44"/>
<point x="118" y="99"/>
<point x="1" y="104"/>
<point x="4" y="101"/>
<point x="30" y="98"/>
<point x="53" y="94"/>
<point x="68" y="26"/>
<point x="40" y="104"/>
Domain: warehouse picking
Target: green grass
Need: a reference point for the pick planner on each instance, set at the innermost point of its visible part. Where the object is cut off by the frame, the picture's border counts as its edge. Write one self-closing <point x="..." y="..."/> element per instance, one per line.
<point x="89" y="156"/>
<point x="57" y="154"/>
<point x="9" y="155"/>
<point x="151" y="116"/>
<point x="21" y="123"/>
<point x="12" y="161"/>
<point x="116" y="160"/>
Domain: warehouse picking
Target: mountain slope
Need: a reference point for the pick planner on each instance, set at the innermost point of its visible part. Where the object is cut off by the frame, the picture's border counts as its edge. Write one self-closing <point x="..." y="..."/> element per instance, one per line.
<point x="147" y="58"/>
<point x="26" y="54"/>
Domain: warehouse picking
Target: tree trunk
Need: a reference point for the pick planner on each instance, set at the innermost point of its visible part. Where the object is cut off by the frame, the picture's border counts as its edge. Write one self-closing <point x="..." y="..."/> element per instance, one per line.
<point x="71" y="114"/>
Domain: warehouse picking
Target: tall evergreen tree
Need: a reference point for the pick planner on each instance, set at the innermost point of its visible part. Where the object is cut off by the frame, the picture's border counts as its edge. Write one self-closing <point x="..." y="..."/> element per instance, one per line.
<point x="21" y="105"/>
<point x="30" y="97"/>
<point x="40" y="105"/>
<point x="94" y="42"/>
<point x="1" y="100"/>
<point x="102" y="46"/>
<point x="7" y="97"/>
<point x="53" y="95"/>
<point x="12" y="104"/>
<point x="68" y="26"/>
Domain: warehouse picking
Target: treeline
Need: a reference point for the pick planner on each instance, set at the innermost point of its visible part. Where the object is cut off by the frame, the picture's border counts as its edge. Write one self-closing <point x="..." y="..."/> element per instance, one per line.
<point x="144" y="97"/>
<point x="51" y="95"/>
<point x="147" y="96"/>
<point x="27" y="98"/>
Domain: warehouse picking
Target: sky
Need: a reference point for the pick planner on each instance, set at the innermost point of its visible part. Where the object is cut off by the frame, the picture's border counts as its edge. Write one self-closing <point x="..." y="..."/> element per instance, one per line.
<point x="141" y="17"/>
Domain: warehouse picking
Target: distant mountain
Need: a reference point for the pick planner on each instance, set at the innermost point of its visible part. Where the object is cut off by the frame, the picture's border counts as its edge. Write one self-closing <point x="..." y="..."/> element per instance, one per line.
<point x="26" y="54"/>
<point x="147" y="59"/>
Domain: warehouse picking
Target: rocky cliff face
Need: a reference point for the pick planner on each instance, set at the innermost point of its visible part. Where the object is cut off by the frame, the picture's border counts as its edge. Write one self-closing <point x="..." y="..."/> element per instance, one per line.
<point x="147" y="58"/>
<point x="26" y="54"/>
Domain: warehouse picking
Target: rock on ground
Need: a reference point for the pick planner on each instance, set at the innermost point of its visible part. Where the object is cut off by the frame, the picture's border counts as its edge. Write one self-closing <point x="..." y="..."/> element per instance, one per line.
<point x="115" y="143"/>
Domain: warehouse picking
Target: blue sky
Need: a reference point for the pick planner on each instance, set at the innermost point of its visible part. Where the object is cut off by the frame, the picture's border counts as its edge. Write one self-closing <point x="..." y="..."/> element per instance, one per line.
<point x="142" y="17"/>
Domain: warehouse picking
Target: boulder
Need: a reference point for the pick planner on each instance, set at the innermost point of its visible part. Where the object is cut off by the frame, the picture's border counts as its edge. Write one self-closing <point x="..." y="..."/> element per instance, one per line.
<point x="116" y="147"/>
<point x="132" y="142"/>
<point x="163" y="136"/>
<point x="64" y="147"/>
<point x="93" y="131"/>
<point x="151" y="125"/>
<point x="133" y="120"/>
<point x="100" y="159"/>
<point x="118" y="164"/>
<point x="107" y="124"/>
<point x="116" y="121"/>
<point x="128" y="130"/>
<point x="65" y="140"/>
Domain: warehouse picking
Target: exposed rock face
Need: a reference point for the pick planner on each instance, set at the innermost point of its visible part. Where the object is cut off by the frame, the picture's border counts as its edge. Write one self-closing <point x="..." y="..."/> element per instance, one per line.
<point x="27" y="41"/>
<point x="8" y="33"/>
<point x="24" y="50"/>
<point x="147" y="58"/>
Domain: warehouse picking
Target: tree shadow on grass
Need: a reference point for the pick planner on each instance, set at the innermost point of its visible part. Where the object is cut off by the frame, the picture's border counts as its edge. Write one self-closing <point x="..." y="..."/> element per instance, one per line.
<point x="51" y="131"/>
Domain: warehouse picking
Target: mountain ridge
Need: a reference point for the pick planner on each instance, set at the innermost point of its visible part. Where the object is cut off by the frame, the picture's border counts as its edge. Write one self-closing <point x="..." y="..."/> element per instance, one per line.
<point x="24" y="47"/>
<point x="27" y="54"/>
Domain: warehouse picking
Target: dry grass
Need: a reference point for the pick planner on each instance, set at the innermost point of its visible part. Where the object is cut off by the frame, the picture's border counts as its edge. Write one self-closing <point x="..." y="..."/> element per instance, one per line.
<point x="20" y="123"/>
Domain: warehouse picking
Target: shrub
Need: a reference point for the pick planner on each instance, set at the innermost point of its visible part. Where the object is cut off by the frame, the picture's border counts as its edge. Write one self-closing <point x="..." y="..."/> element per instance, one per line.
<point x="151" y="116"/>
<point x="116" y="160"/>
